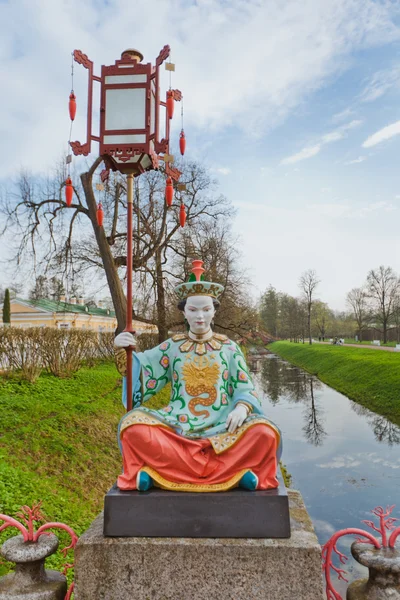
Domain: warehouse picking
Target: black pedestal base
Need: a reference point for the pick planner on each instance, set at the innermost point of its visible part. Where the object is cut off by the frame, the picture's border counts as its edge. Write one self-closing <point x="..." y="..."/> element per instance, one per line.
<point x="233" y="514"/>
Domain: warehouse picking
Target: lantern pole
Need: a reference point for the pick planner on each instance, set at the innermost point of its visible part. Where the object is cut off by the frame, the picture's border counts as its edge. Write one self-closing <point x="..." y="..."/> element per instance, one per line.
<point x="129" y="261"/>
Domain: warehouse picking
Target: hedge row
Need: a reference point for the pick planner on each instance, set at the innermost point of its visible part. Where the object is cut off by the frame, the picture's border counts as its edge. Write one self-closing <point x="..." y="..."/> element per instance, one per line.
<point x="60" y="351"/>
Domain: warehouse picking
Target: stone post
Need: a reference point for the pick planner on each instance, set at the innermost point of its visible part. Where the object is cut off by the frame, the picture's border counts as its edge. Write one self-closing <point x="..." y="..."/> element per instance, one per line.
<point x="384" y="573"/>
<point x="179" y="568"/>
<point x="30" y="580"/>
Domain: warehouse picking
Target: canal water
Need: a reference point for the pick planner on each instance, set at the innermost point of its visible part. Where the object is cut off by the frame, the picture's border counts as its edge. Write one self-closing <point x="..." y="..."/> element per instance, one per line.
<point x="344" y="459"/>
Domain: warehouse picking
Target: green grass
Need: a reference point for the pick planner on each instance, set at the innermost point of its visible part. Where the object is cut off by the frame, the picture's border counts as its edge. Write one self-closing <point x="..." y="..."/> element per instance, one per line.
<point x="58" y="444"/>
<point x="369" y="377"/>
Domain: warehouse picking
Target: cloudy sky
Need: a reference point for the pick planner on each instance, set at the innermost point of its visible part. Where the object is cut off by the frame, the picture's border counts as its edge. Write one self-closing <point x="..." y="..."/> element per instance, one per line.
<point x="295" y="106"/>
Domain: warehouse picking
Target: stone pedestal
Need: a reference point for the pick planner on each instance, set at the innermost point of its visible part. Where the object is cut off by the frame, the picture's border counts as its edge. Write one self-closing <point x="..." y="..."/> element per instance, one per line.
<point x="201" y="569"/>
<point x="160" y="513"/>
<point x="384" y="573"/>
<point x="30" y="580"/>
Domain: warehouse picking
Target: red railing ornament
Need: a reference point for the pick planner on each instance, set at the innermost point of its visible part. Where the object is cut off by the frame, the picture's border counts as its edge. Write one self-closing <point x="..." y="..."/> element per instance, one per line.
<point x="100" y="215"/>
<point x="182" y="142"/>
<point x="30" y="516"/>
<point x="169" y="191"/>
<point x="69" y="191"/>
<point x="72" y="106"/>
<point x="182" y="215"/>
<point x="170" y="104"/>
<point x="381" y="558"/>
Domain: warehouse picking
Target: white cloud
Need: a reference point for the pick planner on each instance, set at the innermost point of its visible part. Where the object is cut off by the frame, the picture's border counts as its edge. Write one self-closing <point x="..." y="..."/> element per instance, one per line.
<point x="329" y="210"/>
<point x="342" y="115"/>
<point x="327" y="138"/>
<point x="302" y="155"/>
<point x="382" y="135"/>
<point x="352" y="125"/>
<point x="378" y="206"/>
<point x="228" y="77"/>
<point x="221" y="170"/>
<point x="334" y="136"/>
<point x="380" y="83"/>
<point x="338" y="210"/>
<point x="360" y="159"/>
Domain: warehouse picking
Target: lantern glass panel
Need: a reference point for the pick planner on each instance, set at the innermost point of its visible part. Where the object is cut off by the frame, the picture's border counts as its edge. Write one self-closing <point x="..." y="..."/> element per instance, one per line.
<point x="125" y="109"/>
<point x="145" y="161"/>
<point x="115" y="79"/>
<point x="138" y="138"/>
<point x="152" y="113"/>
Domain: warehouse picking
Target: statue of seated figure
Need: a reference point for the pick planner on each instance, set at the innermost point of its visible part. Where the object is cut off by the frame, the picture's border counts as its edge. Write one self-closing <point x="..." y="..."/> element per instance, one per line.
<point x="212" y="436"/>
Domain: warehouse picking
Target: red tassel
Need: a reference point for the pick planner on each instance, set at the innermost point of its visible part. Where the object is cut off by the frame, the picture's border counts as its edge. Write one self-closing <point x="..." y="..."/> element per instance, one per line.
<point x="182" y="142"/>
<point x="182" y="215"/>
<point x="72" y="106"/>
<point x="169" y="192"/>
<point x="170" y="104"/>
<point x="100" y="215"/>
<point x="69" y="191"/>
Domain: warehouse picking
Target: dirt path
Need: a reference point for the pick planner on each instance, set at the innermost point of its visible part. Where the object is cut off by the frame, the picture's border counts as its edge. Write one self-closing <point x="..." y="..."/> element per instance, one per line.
<point x="372" y="347"/>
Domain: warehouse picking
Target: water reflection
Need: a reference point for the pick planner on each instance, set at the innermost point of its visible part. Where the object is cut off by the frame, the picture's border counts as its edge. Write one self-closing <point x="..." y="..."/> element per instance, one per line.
<point x="343" y="458"/>
<point x="314" y="427"/>
<point x="279" y="378"/>
<point x="384" y="430"/>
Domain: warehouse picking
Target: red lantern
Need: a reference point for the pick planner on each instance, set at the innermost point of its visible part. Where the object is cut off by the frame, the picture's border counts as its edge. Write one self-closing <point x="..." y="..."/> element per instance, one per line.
<point x="169" y="191"/>
<point x="182" y="215"/>
<point x="170" y="104"/>
<point x="182" y="142"/>
<point x="72" y="106"/>
<point x="100" y="215"/>
<point x="69" y="191"/>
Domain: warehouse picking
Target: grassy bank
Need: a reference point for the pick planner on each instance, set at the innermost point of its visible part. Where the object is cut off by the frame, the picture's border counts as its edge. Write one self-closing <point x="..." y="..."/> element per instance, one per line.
<point x="58" y="444"/>
<point x="370" y="377"/>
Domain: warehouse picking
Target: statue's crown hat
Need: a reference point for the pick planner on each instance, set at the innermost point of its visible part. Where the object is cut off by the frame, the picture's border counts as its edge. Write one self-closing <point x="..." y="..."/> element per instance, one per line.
<point x="197" y="285"/>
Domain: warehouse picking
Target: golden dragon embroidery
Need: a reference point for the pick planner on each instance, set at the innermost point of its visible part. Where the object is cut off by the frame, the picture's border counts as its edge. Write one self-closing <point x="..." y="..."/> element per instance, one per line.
<point x="200" y="378"/>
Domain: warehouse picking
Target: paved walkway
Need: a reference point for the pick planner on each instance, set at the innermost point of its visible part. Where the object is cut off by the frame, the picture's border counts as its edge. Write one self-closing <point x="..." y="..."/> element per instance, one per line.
<point x="372" y="346"/>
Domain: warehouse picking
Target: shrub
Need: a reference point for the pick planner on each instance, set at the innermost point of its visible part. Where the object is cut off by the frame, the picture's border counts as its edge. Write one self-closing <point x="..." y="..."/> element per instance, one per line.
<point x="146" y="341"/>
<point x="22" y="350"/>
<point x="61" y="351"/>
<point x="106" y="345"/>
<point x="64" y="350"/>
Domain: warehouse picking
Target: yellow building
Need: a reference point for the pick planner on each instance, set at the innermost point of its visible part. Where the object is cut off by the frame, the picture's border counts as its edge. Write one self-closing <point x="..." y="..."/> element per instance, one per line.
<point x="50" y="313"/>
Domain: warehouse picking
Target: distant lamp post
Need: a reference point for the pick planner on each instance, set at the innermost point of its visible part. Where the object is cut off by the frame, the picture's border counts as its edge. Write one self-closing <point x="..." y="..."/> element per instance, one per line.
<point x="130" y="138"/>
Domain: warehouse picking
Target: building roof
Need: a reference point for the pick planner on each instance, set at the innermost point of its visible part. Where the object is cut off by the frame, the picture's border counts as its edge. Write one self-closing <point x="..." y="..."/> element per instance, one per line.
<point x="63" y="307"/>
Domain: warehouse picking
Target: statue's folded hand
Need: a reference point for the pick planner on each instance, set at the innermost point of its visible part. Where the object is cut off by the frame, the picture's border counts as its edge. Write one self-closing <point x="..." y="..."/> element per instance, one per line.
<point x="124" y="339"/>
<point x="236" y="418"/>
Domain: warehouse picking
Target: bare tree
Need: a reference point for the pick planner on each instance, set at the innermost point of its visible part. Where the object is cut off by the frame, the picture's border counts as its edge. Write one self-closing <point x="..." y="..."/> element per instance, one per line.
<point x="213" y="242"/>
<point x="357" y="299"/>
<point x="308" y="283"/>
<point x="383" y="288"/>
<point x="70" y="241"/>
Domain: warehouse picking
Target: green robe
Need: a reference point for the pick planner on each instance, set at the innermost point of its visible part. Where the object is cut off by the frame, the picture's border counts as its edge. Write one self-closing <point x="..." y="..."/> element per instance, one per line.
<point x="207" y="382"/>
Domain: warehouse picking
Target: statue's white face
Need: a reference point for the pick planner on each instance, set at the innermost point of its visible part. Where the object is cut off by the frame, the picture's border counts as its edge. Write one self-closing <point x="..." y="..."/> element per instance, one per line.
<point x="199" y="312"/>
